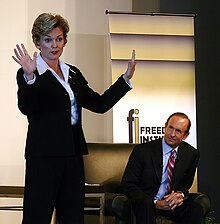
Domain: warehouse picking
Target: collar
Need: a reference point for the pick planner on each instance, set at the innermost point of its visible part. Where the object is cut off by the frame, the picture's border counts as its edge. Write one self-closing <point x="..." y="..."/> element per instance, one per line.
<point x="42" y="67"/>
<point x="166" y="148"/>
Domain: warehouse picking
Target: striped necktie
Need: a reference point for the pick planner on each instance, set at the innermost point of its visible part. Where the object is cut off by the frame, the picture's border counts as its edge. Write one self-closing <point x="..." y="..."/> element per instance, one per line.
<point x="170" y="168"/>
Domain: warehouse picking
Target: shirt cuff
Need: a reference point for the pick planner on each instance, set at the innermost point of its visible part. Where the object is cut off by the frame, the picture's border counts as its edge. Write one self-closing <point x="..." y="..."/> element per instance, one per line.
<point x="129" y="83"/>
<point x="29" y="82"/>
<point x="181" y="194"/>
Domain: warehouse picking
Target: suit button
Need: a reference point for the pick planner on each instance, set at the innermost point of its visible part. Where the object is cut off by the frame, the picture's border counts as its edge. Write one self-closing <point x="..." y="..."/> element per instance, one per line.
<point x="67" y="110"/>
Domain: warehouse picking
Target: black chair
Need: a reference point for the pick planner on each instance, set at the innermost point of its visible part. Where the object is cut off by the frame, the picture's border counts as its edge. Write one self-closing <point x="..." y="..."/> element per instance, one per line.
<point x="104" y="165"/>
<point x="122" y="210"/>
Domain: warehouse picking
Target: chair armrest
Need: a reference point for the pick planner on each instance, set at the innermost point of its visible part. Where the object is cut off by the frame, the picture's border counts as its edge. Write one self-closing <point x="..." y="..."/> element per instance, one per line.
<point x="203" y="199"/>
<point x="118" y="204"/>
<point x="121" y="208"/>
<point x="112" y="186"/>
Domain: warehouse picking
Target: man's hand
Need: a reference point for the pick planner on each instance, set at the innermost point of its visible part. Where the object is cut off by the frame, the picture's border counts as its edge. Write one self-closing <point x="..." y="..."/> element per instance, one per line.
<point x="162" y="204"/>
<point x="174" y="199"/>
<point x="170" y="201"/>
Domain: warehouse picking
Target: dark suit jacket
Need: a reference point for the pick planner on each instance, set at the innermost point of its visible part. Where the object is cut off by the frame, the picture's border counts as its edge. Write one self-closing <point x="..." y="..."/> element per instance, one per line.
<point x="47" y="106"/>
<point x="143" y="173"/>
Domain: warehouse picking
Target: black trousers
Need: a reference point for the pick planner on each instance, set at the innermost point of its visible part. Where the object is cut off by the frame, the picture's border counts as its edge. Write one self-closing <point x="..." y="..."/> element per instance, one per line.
<point x="189" y="212"/>
<point x="54" y="182"/>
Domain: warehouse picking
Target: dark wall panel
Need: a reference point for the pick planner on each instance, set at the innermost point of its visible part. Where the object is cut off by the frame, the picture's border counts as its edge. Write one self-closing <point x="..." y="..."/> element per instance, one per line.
<point x="208" y="99"/>
<point x="173" y="6"/>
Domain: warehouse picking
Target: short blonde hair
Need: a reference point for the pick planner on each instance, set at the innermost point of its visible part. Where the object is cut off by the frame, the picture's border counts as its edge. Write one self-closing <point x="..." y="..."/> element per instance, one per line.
<point x="46" y="22"/>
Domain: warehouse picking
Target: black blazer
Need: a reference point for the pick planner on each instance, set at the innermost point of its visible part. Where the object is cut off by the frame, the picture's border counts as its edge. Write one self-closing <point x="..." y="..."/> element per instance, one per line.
<point x="47" y="106"/>
<point x="143" y="173"/>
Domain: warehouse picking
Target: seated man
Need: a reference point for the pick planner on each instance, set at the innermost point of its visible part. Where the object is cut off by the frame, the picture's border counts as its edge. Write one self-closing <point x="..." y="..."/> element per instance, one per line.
<point x="159" y="174"/>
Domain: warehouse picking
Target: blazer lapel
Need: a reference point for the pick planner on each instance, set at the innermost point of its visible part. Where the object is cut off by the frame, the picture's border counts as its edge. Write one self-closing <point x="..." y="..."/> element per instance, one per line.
<point x="72" y="80"/>
<point x="157" y="157"/>
<point x="74" y="85"/>
<point x="179" y="163"/>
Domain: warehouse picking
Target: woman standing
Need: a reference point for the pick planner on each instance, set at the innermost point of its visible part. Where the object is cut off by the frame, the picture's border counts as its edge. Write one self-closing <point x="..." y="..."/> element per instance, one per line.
<point x="52" y="94"/>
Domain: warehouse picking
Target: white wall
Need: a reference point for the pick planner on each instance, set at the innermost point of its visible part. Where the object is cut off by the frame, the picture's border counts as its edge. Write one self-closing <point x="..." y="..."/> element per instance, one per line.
<point x="87" y="48"/>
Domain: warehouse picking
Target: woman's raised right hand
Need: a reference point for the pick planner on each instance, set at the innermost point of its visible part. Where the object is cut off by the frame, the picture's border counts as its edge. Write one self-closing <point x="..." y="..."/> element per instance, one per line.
<point x="23" y="58"/>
